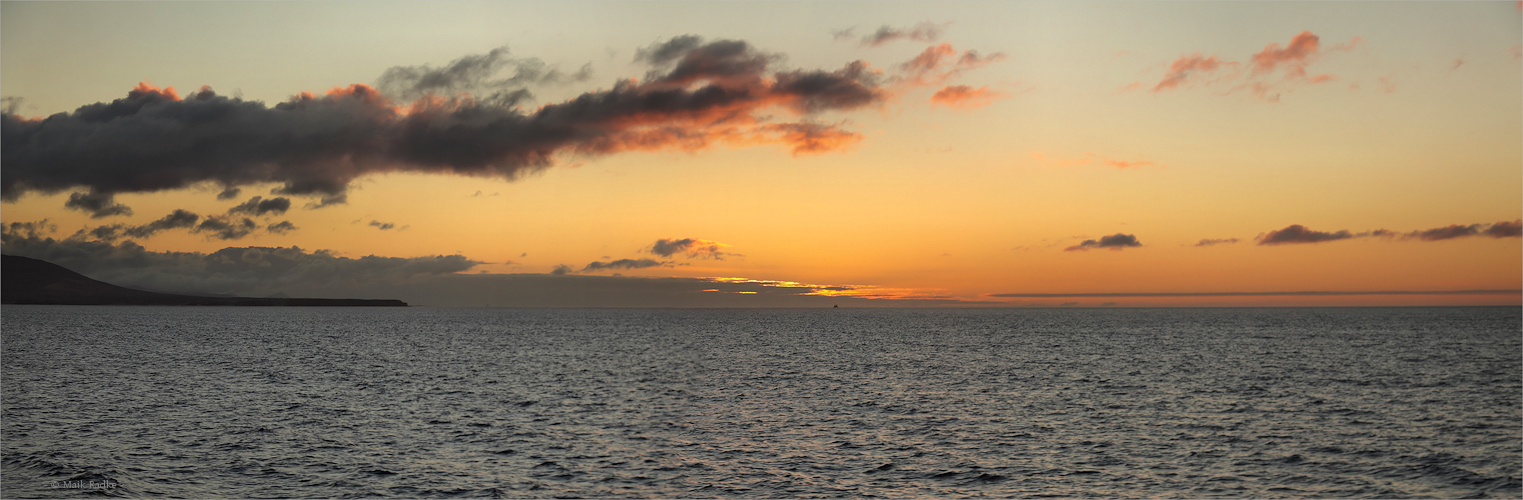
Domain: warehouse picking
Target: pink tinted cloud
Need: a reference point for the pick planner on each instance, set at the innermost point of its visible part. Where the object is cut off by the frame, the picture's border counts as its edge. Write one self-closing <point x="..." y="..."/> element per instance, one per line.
<point x="1185" y="67"/>
<point x="1289" y="62"/>
<point x="940" y="63"/>
<point x="1294" y="57"/>
<point x="965" y="97"/>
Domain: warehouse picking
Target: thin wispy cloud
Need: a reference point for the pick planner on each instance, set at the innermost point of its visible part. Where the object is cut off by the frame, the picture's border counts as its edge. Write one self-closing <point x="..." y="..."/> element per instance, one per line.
<point x="1092" y="159"/>
<point x="965" y="97"/>
<point x="1267" y="74"/>
<point x="923" y="32"/>
<point x="1213" y="242"/>
<point x="622" y="264"/>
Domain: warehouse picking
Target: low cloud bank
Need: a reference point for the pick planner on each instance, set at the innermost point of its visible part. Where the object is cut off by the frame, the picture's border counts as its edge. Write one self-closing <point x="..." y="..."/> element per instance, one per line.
<point x="427" y="281"/>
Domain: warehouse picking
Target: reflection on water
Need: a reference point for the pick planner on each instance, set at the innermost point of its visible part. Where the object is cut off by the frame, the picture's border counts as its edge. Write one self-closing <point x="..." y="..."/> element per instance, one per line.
<point x="287" y="402"/>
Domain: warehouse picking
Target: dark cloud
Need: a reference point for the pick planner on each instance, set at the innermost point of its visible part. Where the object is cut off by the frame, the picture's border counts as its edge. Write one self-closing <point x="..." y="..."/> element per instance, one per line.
<point x="382" y="225"/>
<point x="494" y="77"/>
<point x="259" y="206"/>
<point x="623" y="264"/>
<point x="1449" y="232"/>
<point x="11" y="105"/>
<point x="226" y="228"/>
<point x="1505" y="229"/>
<point x="705" y="93"/>
<point x="1296" y="233"/>
<point x="248" y="271"/>
<point x="30" y="229"/>
<point x="281" y="227"/>
<point x="175" y="220"/>
<point x="692" y="247"/>
<point x="328" y="201"/>
<point x="105" y="233"/>
<point x="1210" y="242"/>
<point x="1114" y="242"/>
<point x="98" y="205"/>
<point x="665" y="52"/>
<point x="562" y="270"/>
<point x="229" y="193"/>
<point x="923" y="32"/>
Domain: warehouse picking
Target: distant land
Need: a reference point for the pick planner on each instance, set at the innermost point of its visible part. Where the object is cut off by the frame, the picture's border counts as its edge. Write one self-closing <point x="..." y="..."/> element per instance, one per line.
<point x="30" y="281"/>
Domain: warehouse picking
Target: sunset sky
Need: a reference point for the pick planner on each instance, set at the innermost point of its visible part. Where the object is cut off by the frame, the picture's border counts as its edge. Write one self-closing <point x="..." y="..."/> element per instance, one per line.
<point x="772" y="154"/>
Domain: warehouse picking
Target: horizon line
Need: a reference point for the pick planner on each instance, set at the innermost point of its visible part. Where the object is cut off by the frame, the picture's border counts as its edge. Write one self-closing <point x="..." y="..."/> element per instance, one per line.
<point x="1258" y="294"/>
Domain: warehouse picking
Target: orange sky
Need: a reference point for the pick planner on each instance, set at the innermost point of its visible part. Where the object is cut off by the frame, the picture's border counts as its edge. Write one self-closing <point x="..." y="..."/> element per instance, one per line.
<point x="955" y="152"/>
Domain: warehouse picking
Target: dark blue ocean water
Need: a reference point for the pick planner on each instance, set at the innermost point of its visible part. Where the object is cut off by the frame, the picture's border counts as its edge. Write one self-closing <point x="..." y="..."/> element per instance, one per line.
<point x="333" y="402"/>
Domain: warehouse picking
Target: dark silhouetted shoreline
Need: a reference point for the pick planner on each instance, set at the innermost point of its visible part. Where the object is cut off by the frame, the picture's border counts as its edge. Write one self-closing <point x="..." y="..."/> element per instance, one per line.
<point x="32" y="281"/>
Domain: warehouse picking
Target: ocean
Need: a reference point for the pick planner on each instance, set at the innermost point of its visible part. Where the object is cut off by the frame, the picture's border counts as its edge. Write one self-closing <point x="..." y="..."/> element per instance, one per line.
<point x="212" y="402"/>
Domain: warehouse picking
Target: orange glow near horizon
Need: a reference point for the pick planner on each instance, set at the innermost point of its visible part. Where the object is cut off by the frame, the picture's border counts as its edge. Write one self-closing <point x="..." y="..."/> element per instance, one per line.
<point x="951" y="163"/>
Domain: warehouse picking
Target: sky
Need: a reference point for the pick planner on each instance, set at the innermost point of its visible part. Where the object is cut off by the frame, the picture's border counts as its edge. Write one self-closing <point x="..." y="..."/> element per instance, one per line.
<point x="772" y="154"/>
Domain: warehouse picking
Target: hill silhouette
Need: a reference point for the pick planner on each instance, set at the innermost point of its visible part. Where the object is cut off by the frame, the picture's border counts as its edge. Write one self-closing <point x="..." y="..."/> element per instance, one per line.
<point x="25" y="280"/>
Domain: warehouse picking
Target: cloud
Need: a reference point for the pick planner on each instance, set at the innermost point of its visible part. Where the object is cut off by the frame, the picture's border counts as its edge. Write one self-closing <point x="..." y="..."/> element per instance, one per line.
<point x="965" y="97"/>
<point x="623" y="264"/>
<point x="175" y="220"/>
<point x="699" y="94"/>
<point x="226" y="228"/>
<point x="562" y="270"/>
<point x="1505" y="229"/>
<point x="477" y="75"/>
<point x="812" y="138"/>
<point x="1212" y="242"/>
<point x="1296" y="233"/>
<point x="281" y="227"/>
<point x="1444" y="233"/>
<point x="1293" y="58"/>
<point x="1185" y="67"/>
<point x="30" y="229"/>
<point x="229" y="193"/>
<point x="328" y="201"/>
<point x="1114" y="242"/>
<point x="1291" y="62"/>
<point x="691" y="247"/>
<point x="923" y="32"/>
<point x="98" y="205"/>
<point x="940" y="63"/>
<point x="382" y="225"/>
<point x="260" y="206"/>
